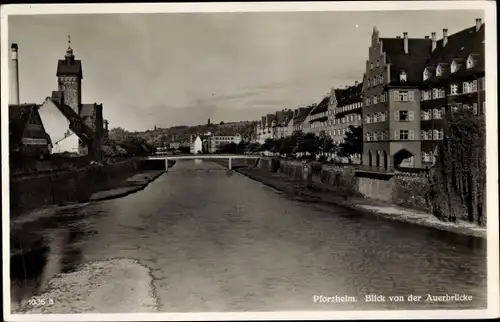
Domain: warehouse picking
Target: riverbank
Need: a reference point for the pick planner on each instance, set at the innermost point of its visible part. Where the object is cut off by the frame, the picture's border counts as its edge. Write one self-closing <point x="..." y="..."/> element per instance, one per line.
<point x="320" y="192"/>
<point x="135" y="183"/>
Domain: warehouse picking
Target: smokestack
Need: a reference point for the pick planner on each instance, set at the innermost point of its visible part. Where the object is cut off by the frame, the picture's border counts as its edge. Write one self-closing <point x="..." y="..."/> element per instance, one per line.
<point x="478" y="24"/>
<point x="405" y="42"/>
<point x="445" y="37"/>
<point x="14" y="76"/>
<point x="433" y="35"/>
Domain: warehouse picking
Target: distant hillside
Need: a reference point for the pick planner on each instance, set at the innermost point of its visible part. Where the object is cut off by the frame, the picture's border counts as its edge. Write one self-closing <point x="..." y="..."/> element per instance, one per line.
<point x="181" y="133"/>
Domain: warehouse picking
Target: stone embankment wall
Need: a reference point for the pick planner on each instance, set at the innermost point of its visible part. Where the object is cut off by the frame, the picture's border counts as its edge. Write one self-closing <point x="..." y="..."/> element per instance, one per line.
<point x="405" y="190"/>
<point x="62" y="187"/>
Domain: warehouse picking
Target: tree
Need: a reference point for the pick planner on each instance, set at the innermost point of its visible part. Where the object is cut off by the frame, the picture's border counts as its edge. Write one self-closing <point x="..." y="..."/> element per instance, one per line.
<point x="287" y="145"/>
<point x="353" y="142"/>
<point x="229" y="148"/>
<point x="458" y="178"/>
<point x="308" y="143"/>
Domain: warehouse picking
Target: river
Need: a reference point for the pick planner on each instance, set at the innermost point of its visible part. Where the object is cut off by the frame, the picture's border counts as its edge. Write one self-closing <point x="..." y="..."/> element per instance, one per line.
<point x="201" y="238"/>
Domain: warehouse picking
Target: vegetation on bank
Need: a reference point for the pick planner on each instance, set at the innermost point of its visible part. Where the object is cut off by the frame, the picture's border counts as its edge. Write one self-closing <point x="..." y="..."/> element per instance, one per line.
<point x="458" y="179"/>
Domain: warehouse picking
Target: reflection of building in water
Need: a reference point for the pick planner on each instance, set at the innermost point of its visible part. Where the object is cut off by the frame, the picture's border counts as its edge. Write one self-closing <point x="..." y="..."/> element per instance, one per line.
<point x="198" y="161"/>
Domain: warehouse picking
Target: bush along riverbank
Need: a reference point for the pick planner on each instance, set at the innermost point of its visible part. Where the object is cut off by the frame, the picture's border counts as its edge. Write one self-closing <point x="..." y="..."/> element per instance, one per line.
<point x="402" y="198"/>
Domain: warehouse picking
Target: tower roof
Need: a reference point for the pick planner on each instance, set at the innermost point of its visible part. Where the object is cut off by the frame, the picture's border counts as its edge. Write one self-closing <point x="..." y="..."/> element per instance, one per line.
<point x="69" y="66"/>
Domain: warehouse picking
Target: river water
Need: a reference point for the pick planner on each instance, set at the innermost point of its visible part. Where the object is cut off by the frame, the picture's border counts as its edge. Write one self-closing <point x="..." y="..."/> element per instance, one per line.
<point x="201" y="238"/>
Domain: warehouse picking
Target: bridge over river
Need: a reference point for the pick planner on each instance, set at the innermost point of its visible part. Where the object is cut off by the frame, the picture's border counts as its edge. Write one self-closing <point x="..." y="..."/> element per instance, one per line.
<point x="229" y="157"/>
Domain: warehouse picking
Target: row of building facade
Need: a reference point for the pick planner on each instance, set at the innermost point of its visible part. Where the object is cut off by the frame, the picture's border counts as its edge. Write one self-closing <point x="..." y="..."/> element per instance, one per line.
<point x="408" y="87"/>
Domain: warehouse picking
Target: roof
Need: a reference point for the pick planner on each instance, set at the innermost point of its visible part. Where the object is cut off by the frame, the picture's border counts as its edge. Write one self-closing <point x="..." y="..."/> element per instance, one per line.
<point x="19" y="116"/>
<point x="349" y="95"/>
<point x="322" y="106"/>
<point x="270" y="118"/>
<point x="302" y="114"/>
<point x="70" y="67"/>
<point x="459" y="47"/>
<point x="412" y="63"/>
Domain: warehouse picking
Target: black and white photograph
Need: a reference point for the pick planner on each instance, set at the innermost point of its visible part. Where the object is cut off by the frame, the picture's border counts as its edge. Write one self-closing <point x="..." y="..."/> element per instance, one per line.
<point x="249" y="161"/>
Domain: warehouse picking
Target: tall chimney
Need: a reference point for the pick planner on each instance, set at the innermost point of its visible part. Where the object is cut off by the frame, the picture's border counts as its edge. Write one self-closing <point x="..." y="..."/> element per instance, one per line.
<point x="405" y="41"/>
<point x="433" y="35"/>
<point x="14" y="76"/>
<point x="426" y="37"/>
<point x="478" y="24"/>
<point x="445" y="37"/>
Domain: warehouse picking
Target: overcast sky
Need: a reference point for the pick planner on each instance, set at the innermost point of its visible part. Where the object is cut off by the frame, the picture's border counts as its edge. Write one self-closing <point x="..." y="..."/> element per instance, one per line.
<point x="171" y="69"/>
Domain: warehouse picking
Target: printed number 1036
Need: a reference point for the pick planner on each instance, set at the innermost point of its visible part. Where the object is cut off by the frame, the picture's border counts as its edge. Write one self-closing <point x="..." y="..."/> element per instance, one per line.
<point x="39" y="301"/>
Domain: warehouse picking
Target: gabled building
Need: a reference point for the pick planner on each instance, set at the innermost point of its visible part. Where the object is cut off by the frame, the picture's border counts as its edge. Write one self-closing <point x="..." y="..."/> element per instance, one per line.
<point x="280" y="128"/>
<point x="346" y="109"/>
<point x="298" y="118"/>
<point x="391" y="107"/>
<point x="27" y="135"/>
<point x="453" y="79"/>
<point x="318" y="117"/>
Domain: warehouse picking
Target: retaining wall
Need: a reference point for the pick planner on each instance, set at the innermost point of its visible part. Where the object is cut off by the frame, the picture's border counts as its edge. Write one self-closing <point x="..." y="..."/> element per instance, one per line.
<point x="35" y="191"/>
<point x="408" y="191"/>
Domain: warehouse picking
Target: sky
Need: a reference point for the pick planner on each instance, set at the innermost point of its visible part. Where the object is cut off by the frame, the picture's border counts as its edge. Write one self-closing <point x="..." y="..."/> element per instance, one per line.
<point x="170" y="69"/>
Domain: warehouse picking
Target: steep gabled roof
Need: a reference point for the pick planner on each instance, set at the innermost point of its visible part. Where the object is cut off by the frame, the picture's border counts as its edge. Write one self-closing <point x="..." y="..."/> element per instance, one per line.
<point x="459" y="46"/>
<point x="302" y="114"/>
<point x="412" y="63"/>
<point x="349" y="95"/>
<point x="322" y="106"/>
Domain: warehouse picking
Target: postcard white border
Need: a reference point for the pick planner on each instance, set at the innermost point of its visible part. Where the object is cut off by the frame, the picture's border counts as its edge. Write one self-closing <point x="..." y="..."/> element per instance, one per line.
<point x="492" y="150"/>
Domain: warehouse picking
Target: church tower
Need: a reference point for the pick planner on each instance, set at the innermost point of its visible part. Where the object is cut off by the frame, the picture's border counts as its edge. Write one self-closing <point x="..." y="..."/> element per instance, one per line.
<point x="69" y="79"/>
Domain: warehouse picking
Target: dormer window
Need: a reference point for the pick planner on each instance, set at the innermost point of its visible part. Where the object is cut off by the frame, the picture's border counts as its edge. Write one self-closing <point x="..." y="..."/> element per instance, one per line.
<point x="402" y="76"/>
<point x="439" y="71"/>
<point x="378" y="63"/>
<point x="427" y="74"/>
<point x="454" y="66"/>
<point x="371" y="66"/>
<point x="470" y="62"/>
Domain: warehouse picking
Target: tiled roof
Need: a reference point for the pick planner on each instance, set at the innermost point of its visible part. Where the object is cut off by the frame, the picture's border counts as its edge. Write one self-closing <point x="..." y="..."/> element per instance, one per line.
<point x="71" y="68"/>
<point x="349" y="95"/>
<point x="302" y="114"/>
<point x="322" y="106"/>
<point x="412" y="63"/>
<point x="19" y="116"/>
<point x="459" y="46"/>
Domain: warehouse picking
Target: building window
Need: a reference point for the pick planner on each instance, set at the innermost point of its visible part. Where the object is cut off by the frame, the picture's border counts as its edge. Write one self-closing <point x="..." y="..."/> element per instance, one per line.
<point x="454" y="67"/>
<point x="470" y="62"/>
<point x="367" y="100"/>
<point x="375" y="99"/>
<point x="383" y="97"/>
<point x="423" y="135"/>
<point x="403" y="134"/>
<point x="351" y="118"/>
<point x="404" y="116"/>
<point x="402" y="77"/>
<point x="436" y="114"/>
<point x="381" y="79"/>
<point x="426" y="95"/>
<point x="375" y="81"/>
<point x="453" y="89"/>
<point x="383" y="135"/>
<point x="375" y="136"/>
<point x="369" y="83"/>
<point x="367" y="137"/>
<point x="439" y="71"/>
<point x="454" y="108"/>
<point x="427" y="74"/>
<point x="403" y="96"/>
<point x="384" y="116"/>
<point x="377" y="63"/>
<point x="371" y="66"/>
<point x="425" y="116"/>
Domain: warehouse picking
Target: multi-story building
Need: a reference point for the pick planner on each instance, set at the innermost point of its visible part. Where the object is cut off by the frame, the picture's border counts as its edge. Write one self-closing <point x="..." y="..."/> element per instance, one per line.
<point x="453" y="79"/>
<point x="318" y="117"/>
<point x="346" y="105"/>
<point x="391" y="109"/>
<point x="297" y="120"/>
<point x="346" y="110"/>
<point x="280" y="129"/>
<point x="264" y="129"/>
<point x="216" y="141"/>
